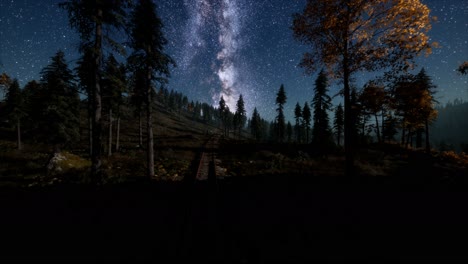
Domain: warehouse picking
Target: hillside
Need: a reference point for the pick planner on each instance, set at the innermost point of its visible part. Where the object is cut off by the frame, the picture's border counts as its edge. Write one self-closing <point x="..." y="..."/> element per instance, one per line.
<point x="178" y="138"/>
<point x="272" y="202"/>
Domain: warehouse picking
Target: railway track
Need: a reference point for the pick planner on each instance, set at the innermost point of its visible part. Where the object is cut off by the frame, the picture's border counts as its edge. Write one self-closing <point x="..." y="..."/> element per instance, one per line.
<point x="206" y="167"/>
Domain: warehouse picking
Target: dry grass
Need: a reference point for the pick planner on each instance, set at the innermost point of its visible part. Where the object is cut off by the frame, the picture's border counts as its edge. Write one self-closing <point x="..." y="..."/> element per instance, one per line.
<point x="454" y="158"/>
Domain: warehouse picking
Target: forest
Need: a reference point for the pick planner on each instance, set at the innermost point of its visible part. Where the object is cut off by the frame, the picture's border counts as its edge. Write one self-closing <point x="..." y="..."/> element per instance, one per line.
<point x="106" y="146"/>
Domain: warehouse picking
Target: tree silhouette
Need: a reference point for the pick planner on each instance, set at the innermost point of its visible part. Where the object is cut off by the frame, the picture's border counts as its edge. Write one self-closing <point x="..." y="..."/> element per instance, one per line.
<point x="59" y="104"/>
<point x="321" y="104"/>
<point x="306" y="116"/>
<point x="14" y="106"/>
<point x="240" y="116"/>
<point x="298" y="118"/>
<point x="338" y="123"/>
<point x="280" y="120"/>
<point x="114" y="84"/>
<point x="255" y="124"/>
<point x="92" y="19"/>
<point x="350" y="36"/>
<point x="372" y="100"/>
<point x="224" y="113"/>
<point x="463" y="68"/>
<point x="148" y="41"/>
<point x="414" y="102"/>
<point x="427" y="109"/>
<point x="86" y="75"/>
<point x="137" y="99"/>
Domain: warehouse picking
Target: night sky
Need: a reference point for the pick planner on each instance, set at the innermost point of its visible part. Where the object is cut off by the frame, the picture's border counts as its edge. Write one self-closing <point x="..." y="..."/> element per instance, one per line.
<point x="225" y="47"/>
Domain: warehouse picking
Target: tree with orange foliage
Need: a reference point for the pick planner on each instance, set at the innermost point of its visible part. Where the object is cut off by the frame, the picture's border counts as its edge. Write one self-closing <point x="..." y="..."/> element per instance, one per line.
<point x="5" y="82"/>
<point x="463" y="68"/>
<point x="361" y="35"/>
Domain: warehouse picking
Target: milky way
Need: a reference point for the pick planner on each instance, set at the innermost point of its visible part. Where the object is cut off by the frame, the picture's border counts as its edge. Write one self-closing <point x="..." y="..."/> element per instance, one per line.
<point x="221" y="21"/>
<point x="225" y="48"/>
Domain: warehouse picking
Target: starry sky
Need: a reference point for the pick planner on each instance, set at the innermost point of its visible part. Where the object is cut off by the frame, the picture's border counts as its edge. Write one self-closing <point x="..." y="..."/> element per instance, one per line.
<point x="226" y="48"/>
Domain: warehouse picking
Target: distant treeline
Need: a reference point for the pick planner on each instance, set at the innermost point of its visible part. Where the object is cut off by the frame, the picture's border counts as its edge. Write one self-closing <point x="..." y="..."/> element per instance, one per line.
<point x="450" y="130"/>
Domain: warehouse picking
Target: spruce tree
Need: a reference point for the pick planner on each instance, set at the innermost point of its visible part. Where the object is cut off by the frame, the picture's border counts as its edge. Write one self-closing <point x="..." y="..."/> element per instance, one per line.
<point x="255" y="124"/>
<point x="114" y="84"/>
<point x="338" y="123"/>
<point x="280" y="120"/>
<point x="92" y="20"/>
<point x="148" y="42"/>
<point x="427" y="90"/>
<point x="306" y="115"/>
<point x="223" y="113"/>
<point x="58" y="122"/>
<point x="321" y="103"/>
<point x="85" y="73"/>
<point x="298" y="118"/>
<point x="240" y="116"/>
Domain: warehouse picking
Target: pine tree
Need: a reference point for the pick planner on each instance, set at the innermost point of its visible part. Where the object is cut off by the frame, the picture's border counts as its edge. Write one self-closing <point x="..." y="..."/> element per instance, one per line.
<point x="59" y="106"/>
<point x="359" y="120"/>
<point x="224" y="113"/>
<point x="114" y="84"/>
<point x="148" y="42"/>
<point x="298" y="118"/>
<point x="338" y="123"/>
<point x="14" y="105"/>
<point x="92" y="19"/>
<point x="85" y="73"/>
<point x="321" y="103"/>
<point x="137" y="99"/>
<point x="424" y="84"/>
<point x="240" y="116"/>
<point x="280" y="120"/>
<point x="255" y="124"/>
<point x="306" y="115"/>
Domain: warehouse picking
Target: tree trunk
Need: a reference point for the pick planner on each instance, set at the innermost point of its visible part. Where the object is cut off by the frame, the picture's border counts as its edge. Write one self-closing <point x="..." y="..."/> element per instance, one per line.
<point x="18" y="128"/>
<point x="109" y="151"/>
<point x="117" y="140"/>
<point x="96" y="169"/>
<point x="377" y="127"/>
<point x="149" y="123"/>
<point x="349" y="120"/>
<point x="428" y="145"/>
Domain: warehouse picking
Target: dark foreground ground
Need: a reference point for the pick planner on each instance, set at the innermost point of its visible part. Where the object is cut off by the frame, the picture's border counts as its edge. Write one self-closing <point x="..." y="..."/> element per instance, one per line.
<point x="240" y="220"/>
